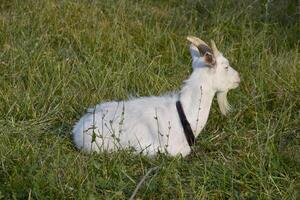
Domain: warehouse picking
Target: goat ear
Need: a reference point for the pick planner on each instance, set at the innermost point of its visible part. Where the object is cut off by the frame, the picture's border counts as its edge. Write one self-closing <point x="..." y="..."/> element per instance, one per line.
<point x="194" y="51"/>
<point x="214" y="48"/>
<point x="200" y="44"/>
<point x="209" y="58"/>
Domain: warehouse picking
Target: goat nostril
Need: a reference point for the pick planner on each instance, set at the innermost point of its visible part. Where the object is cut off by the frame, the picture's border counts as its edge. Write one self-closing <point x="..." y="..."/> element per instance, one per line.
<point x="239" y="78"/>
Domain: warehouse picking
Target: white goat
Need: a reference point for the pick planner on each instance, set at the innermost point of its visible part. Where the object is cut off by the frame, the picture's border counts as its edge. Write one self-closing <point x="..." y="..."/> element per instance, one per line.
<point x="152" y="124"/>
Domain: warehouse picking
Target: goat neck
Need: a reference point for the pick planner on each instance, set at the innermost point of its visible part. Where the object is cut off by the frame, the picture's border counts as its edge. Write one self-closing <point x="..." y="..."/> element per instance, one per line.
<point x="196" y="97"/>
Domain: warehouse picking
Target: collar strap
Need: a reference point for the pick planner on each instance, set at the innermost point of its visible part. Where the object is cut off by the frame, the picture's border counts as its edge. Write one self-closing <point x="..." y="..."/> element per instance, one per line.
<point x="185" y="124"/>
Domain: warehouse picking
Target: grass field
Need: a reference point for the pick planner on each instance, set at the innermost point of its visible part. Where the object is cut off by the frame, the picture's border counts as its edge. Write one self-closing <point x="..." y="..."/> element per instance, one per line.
<point x="58" y="58"/>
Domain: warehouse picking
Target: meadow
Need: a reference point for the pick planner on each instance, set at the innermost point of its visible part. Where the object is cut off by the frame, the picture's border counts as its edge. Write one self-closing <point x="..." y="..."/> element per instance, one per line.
<point x="59" y="57"/>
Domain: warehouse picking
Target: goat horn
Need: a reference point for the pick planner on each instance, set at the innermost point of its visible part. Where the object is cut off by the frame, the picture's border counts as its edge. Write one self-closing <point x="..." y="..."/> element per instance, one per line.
<point x="200" y="44"/>
<point x="196" y="41"/>
<point x="214" y="48"/>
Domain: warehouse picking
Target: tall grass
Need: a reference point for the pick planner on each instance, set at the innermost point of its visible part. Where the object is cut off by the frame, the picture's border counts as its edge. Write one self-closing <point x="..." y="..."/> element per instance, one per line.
<point x="59" y="57"/>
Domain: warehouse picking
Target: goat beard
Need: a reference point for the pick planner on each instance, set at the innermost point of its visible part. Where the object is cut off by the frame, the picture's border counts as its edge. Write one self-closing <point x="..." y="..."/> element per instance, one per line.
<point x="223" y="102"/>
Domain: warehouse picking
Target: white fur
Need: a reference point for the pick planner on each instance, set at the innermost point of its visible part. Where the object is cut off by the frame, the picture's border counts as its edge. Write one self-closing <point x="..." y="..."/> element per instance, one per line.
<point x="152" y="124"/>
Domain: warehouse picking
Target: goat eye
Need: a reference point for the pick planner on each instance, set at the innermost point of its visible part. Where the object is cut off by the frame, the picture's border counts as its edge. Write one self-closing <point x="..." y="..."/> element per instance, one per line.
<point x="226" y="68"/>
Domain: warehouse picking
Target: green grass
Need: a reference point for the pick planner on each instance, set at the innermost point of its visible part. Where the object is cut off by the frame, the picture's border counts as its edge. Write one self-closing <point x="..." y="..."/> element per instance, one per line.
<point x="59" y="57"/>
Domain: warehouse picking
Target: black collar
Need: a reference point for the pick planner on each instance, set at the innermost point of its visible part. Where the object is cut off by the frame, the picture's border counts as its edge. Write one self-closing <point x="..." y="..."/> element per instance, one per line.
<point x="185" y="124"/>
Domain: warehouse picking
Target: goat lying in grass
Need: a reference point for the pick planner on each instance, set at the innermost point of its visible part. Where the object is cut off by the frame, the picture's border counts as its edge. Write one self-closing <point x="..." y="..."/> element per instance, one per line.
<point x="161" y="124"/>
